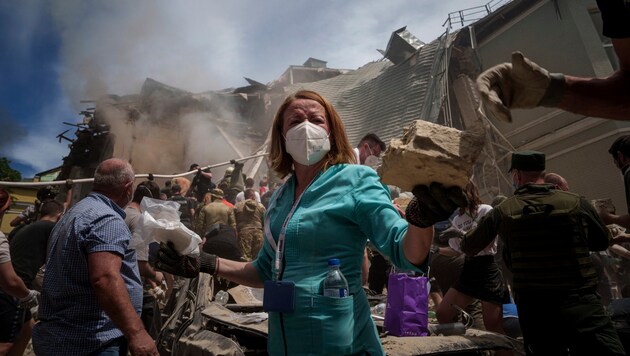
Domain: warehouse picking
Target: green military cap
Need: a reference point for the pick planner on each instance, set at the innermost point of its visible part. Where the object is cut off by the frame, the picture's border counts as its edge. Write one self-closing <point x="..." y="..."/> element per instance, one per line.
<point x="216" y="193"/>
<point x="528" y="161"/>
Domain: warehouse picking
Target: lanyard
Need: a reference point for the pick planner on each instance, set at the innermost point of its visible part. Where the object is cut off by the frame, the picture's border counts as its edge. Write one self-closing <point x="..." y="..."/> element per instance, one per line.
<point x="280" y="247"/>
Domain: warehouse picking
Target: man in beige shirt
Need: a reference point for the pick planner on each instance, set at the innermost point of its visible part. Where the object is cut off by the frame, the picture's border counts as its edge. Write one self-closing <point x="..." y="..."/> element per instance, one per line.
<point x="213" y="213"/>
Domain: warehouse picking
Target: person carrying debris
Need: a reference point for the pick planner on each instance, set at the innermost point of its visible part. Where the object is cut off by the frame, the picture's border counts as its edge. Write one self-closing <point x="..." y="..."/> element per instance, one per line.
<point x="480" y="276"/>
<point x="522" y="84"/>
<point x="326" y="209"/>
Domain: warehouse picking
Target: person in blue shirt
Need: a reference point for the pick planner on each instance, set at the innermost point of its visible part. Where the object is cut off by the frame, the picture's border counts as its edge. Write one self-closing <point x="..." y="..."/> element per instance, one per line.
<point x="92" y="295"/>
<point x="327" y="208"/>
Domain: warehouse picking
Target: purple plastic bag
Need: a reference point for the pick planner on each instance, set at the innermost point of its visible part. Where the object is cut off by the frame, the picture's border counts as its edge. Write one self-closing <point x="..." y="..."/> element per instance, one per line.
<point x="407" y="308"/>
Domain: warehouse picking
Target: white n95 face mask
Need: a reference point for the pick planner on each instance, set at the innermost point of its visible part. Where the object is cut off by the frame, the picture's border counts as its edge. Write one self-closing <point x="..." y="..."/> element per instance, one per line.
<point x="307" y="143"/>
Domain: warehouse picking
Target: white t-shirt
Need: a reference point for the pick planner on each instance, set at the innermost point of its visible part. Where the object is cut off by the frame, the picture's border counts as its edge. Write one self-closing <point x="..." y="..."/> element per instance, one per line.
<point x="465" y="223"/>
<point x="241" y="196"/>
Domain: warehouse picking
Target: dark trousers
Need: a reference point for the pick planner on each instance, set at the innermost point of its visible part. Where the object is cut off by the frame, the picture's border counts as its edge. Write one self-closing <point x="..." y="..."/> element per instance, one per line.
<point x="574" y="324"/>
<point x="151" y="315"/>
<point x="117" y="347"/>
<point x="379" y="272"/>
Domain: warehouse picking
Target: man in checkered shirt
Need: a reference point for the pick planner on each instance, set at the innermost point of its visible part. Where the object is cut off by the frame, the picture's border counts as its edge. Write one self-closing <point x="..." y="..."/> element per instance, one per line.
<point x="92" y="294"/>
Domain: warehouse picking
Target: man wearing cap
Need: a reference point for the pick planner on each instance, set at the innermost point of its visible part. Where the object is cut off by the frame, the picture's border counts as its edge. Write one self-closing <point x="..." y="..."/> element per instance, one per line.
<point x="213" y="213"/>
<point x="547" y="234"/>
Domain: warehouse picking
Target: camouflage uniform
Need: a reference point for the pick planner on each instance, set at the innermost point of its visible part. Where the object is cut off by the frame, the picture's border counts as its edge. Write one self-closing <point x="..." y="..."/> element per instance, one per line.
<point x="249" y="224"/>
<point x="213" y="213"/>
<point x="547" y="236"/>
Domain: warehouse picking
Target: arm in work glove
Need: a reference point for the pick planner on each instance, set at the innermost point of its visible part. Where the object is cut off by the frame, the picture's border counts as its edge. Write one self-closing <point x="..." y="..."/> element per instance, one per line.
<point x="186" y="266"/>
<point x="434" y="203"/>
<point x="521" y="84"/>
<point x="30" y="300"/>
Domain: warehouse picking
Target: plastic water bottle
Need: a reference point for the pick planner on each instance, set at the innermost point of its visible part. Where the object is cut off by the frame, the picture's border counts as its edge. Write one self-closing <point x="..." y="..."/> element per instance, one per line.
<point x="222" y="297"/>
<point x="335" y="284"/>
<point x="448" y="329"/>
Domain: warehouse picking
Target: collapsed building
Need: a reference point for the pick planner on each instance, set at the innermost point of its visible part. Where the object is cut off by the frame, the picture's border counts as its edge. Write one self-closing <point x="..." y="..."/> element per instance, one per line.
<point x="164" y="129"/>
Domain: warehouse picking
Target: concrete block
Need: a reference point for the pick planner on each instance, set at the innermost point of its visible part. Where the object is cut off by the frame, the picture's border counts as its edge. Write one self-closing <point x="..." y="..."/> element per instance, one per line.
<point x="428" y="153"/>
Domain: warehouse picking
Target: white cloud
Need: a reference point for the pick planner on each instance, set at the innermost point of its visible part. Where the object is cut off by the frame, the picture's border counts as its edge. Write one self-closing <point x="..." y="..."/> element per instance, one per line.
<point x="39" y="149"/>
<point x="110" y="47"/>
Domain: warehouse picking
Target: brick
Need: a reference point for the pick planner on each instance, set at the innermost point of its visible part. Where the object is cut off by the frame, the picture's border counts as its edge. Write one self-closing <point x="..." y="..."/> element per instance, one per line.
<point x="428" y="153"/>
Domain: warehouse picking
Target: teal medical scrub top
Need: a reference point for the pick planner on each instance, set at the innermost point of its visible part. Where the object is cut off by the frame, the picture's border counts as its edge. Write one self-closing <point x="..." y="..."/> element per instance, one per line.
<point x="343" y="207"/>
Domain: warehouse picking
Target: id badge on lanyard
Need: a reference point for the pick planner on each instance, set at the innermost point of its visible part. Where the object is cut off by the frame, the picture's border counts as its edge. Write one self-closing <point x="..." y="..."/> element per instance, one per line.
<point x="279" y="295"/>
<point x="279" y="247"/>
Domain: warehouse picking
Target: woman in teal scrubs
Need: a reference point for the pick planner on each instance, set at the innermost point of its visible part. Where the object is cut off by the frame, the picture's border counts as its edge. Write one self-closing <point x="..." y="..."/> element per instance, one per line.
<point x="327" y="208"/>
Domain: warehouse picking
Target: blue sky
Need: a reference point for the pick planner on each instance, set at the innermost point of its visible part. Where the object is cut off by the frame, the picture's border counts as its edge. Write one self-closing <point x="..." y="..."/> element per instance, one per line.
<point x="53" y="54"/>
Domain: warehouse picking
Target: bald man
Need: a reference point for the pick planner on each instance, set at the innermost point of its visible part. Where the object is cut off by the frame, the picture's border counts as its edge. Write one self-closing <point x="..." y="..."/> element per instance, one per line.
<point x="557" y="180"/>
<point x="92" y="294"/>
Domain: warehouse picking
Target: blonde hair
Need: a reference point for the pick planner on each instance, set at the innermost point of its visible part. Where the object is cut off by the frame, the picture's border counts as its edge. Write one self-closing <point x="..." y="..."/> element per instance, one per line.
<point x="340" y="149"/>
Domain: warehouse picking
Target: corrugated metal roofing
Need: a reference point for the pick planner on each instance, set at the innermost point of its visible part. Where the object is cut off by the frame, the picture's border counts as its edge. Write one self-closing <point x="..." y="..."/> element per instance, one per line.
<point x="380" y="97"/>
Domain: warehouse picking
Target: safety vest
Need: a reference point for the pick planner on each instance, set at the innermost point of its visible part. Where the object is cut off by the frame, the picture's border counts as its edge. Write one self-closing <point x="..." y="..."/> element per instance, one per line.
<point x="545" y="241"/>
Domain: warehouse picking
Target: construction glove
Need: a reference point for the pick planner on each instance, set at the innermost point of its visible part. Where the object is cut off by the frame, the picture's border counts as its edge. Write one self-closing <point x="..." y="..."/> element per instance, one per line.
<point x="521" y="84"/>
<point x="434" y="203"/>
<point x="30" y="300"/>
<point x="186" y="266"/>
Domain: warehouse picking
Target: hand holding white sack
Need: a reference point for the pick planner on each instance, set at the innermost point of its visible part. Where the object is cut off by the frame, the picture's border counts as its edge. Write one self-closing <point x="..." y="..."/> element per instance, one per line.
<point x="160" y="222"/>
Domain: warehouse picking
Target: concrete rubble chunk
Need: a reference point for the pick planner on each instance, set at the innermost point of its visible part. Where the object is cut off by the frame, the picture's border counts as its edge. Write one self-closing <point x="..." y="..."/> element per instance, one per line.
<point x="428" y="153"/>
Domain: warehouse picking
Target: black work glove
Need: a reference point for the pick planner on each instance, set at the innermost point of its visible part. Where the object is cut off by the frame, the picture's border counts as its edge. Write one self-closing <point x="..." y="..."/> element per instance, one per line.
<point x="433" y="204"/>
<point x="30" y="300"/>
<point x="186" y="266"/>
<point x="198" y="170"/>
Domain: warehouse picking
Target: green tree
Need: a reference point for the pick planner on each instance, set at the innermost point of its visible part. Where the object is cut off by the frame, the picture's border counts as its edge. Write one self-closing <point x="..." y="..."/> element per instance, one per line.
<point x="7" y="173"/>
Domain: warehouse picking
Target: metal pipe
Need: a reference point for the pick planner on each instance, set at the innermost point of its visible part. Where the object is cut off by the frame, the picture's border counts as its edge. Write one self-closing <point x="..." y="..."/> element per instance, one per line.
<point x="142" y="175"/>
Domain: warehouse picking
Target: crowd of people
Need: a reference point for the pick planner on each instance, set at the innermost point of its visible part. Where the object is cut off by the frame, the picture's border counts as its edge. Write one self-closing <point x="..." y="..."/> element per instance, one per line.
<point x="98" y="290"/>
<point x="92" y="277"/>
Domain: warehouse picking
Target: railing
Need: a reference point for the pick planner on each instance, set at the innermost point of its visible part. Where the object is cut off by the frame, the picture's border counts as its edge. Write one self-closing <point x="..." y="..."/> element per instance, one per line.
<point x="464" y="17"/>
<point x="138" y="176"/>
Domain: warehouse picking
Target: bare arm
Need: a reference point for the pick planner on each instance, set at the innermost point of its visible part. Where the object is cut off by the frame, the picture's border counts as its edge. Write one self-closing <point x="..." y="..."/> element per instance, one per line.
<point x="147" y="271"/>
<point x="240" y="272"/>
<point x="10" y="282"/>
<point x="206" y="174"/>
<point x="620" y="251"/>
<point x="448" y="251"/>
<point x="17" y="221"/>
<point x="66" y="203"/>
<point x="112" y="295"/>
<point x="602" y="97"/>
<point x="621" y="220"/>
<point x="417" y="244"/>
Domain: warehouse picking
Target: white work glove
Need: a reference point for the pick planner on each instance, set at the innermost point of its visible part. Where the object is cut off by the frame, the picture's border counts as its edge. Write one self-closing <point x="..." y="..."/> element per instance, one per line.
<point x="521" y="84"/>
<point x="30" y="300"/>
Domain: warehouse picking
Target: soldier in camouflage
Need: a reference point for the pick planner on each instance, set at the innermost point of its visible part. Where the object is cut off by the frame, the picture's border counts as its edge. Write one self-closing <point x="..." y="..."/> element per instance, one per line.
<point x="249" y="223"/>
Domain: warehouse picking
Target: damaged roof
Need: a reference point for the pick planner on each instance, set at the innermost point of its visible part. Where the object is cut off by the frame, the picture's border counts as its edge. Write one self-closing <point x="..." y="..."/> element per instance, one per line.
<point x="380" y="97"/>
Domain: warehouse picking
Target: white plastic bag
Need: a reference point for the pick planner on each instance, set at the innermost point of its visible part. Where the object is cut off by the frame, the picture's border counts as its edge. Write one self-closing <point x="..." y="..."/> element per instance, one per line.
<point x="160" y="222"/>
